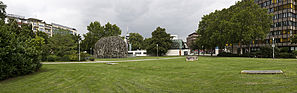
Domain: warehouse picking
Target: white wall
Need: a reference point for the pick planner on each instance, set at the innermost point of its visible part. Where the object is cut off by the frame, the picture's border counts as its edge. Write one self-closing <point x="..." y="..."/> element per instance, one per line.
<point x="175" y="52"/>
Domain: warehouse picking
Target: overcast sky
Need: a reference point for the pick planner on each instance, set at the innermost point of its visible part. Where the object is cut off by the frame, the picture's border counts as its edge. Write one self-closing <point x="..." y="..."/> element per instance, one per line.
<point x="179" y="17"/>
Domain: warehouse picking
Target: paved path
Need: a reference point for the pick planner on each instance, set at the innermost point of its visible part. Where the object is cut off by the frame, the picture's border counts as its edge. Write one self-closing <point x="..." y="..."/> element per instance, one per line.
<point x="110" y="61"/>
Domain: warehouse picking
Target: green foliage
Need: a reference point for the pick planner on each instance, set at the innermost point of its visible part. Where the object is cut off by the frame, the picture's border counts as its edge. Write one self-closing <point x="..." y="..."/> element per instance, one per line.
<point x="136" y="40"/>
<point x="241" y="23"/>
<point x="19" y="52"/>
<point x="160" y="37"/>
<point x="267" y="52"/>
<point x="295" y="52"/>
<point x="92" y="58"/>
<point x="294" y="38"/>
<point x="2" y="10"/>
<point x="224" y="54"/>
<point x="96" y="32"/>
<point x="63" y="44"/>
<point x="52" y="58"/>
<point x="286" y="55"/>
<point x="285" y="49"/>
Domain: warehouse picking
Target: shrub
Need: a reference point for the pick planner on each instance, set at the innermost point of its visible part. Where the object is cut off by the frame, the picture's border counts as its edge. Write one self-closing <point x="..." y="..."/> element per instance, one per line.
<point x="92" y="59"/>
<point x="224" y="54"/>
<point x="19" y="54"/>
<point x="285" y="49"/>
<point x="65" y="58"/>
<point x="295" y="52"/>
<point x="84" y="56"/>
<point x="51" y="58"/>
<point x="286" y="55"/>
<point x="73" y="57"/>
<point x="267" y="52"/>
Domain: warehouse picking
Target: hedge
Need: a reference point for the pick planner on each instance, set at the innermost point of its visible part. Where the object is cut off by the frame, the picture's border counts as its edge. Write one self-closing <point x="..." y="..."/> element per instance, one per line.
<point x="18" y="55"/>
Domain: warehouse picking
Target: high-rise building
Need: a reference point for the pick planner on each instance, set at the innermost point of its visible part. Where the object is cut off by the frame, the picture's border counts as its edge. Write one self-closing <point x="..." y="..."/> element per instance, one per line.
<point x="284" y="23"/>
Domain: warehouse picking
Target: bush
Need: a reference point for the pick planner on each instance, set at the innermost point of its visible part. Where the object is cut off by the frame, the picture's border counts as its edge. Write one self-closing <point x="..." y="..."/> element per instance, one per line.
<point x="267" y="52"/>
<point x="51" y="58"/>
<point x="224" y="54"/>
<point x="286" y="55"/>
<point x="73" y="57"/>
<point x="19" y="54"/>
<point x="92" y="59"/>
<point x="295" y="53"/>
<point x="285" y="49"/>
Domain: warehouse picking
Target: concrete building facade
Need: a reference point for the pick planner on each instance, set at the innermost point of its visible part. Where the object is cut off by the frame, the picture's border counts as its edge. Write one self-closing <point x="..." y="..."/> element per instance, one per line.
<point x="191" y="39"/>
<point x="40" y="25"/>
<point x="284" y="23"/>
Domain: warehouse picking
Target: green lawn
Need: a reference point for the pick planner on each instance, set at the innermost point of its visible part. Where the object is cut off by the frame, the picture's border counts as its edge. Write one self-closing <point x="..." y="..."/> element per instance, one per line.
<point x="209" y="74"/>
<point x="130" y="58"/>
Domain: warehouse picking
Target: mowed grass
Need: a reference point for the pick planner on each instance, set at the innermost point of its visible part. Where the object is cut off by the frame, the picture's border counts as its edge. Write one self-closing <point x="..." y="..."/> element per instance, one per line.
<point x="132" y="58"/>
<point x="209" y="74"/>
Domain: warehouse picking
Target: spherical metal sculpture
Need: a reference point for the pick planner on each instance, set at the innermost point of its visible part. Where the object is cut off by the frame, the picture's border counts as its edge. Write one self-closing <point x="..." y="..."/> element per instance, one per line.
<point x="111" y="47"/>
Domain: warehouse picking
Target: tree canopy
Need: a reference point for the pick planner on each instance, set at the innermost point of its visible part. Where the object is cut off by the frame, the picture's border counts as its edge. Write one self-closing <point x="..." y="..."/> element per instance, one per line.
<point x="136" y="40"/>
<point x="160" y="37"/>
<point x="2" y="10"/>
<point x="96" y="32"/>
<point x="240" y="24"/>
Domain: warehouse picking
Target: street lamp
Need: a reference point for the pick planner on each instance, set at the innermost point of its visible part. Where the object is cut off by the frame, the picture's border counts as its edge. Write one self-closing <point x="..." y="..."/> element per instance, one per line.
<point x="273" y="45"/>
<point x="157" y="50"/>
<point x="79" y="50"/>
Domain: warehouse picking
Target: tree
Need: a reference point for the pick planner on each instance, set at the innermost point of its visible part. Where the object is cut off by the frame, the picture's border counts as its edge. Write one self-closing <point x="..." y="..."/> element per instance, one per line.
<point x="160" y="37"/>
<point x="62" y="45"/>
<point x="96" y="32"/>
<point x="136" y="40"/>
<point x="240" y="24"/>
<point x="250" y="22"/>
<point x="2" y="10"/>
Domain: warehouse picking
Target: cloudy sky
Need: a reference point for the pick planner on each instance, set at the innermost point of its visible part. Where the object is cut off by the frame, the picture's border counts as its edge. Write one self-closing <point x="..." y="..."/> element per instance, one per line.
<point x="179" y="17"/>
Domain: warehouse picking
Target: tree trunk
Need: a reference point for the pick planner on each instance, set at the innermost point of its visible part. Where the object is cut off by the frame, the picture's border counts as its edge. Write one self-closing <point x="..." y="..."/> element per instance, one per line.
<point x="211" y="52"/>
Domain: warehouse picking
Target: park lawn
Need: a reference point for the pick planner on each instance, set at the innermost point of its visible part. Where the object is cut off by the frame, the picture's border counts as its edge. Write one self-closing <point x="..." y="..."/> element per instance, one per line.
<point x="209" y="74"/>
<point x="132" y="58"/>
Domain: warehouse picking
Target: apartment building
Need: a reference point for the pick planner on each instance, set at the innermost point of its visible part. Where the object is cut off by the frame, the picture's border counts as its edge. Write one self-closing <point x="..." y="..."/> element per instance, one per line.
<point x="40" y="25"/>
<point x="191" y="39"/>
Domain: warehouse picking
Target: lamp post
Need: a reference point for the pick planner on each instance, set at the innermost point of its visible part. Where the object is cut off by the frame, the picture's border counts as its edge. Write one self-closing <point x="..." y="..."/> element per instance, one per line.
<point x="157" y="50"/>
<point x="79" y="50"/>
<point x="273" y="45"/>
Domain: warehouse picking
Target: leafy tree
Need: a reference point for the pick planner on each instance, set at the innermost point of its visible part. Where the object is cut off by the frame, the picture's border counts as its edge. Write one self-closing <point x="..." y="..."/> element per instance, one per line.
<point x="96" y="32"/>
<point x="45" y="50"/>
<point x="136" y="40"/>
<point x="62" y="44"/>
<point x="19" y="52"/>
<point x="2" y="10"/>
<point x="160" y="37"/>
<point x="240" y="24"/>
